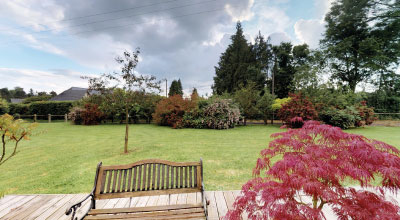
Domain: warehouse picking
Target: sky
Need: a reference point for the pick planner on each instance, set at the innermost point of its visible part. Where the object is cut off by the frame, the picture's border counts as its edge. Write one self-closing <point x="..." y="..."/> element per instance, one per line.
<point x="47" y="45"/>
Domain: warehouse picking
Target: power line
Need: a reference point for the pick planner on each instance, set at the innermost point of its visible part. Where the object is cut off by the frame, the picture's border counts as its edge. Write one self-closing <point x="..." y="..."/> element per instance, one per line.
<point x="133" y="24"/>
<point x="130" y="16"/>
<point x="93" y="15"/>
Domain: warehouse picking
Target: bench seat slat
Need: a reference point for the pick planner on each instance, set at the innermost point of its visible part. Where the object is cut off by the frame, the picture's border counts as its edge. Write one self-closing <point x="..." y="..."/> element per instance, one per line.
<point x="144" y="209"/>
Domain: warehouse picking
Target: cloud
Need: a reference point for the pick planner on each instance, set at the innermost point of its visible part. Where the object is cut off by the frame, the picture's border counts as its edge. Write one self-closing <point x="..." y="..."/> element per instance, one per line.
<point x="279" y="37"/>
<point x="178" y="39"/>
<point x="310" y="31"/>
<point x="52" y="80"/>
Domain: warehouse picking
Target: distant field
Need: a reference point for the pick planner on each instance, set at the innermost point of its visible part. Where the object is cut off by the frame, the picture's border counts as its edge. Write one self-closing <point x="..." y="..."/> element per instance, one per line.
<point x="64" y="158"/>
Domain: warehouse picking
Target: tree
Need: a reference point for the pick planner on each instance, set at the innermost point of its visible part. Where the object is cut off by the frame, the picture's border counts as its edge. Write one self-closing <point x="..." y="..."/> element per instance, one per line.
<point x="175" y="88"/>
<point x="237" y="66"/>
<point x="311" y="164"/>
<point x="5" y="94"/>
<point x="127" y="82"/>
<point x="13" y="131"/>
<point x="264" y="105"/>
<point x="283" y="69"/>
<point x="246" y="97"/>
<point x="18" y="92"/>
<point x="358" y="42"/>
<point x="52" y="93"/>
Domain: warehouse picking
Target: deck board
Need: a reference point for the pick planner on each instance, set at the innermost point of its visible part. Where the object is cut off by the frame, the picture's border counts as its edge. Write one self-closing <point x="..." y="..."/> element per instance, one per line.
<point x="43" y="206"/>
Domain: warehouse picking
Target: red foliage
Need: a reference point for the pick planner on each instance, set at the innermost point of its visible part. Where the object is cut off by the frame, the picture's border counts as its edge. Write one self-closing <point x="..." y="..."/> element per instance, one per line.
<point x="170" y="111"/>
<point x="366" y="114"/>
<point x="298" y="106"/>
<point x="313" y="163"/>
<point x="91" y="115"/>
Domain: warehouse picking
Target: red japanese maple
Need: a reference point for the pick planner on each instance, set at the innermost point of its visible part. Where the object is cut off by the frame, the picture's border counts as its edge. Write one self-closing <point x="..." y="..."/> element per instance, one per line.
<point x="313" y="162"/>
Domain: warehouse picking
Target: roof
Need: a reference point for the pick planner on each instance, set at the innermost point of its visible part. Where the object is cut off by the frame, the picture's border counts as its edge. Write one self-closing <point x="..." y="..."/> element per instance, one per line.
<point x="16" y="101"/>
<point x="72" y="94"/>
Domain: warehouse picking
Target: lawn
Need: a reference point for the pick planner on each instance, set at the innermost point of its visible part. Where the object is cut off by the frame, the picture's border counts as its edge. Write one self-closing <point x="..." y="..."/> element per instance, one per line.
<point x="63" y="158"/>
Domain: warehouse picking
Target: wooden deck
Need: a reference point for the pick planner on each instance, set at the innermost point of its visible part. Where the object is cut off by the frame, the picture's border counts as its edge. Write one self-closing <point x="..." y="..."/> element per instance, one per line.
<point x="53" y="206"/>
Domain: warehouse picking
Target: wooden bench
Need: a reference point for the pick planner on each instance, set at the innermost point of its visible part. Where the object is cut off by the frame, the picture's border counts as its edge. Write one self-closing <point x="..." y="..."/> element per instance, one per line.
<point x="146" y="178"/>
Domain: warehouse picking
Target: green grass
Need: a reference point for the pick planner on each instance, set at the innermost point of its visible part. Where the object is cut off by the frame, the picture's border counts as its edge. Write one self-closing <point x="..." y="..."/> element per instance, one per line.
<point x="64" y="158"/>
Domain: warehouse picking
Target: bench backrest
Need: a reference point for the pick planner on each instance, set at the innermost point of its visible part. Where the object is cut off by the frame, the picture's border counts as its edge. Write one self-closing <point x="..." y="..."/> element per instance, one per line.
<point x="148" y="177"/>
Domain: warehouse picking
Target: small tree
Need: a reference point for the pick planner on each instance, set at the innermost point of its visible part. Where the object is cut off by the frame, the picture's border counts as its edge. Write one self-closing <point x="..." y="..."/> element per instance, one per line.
<point x="128" y="82"/>
<point x="312" y="163"/>
<point x="13" y="131"/>
<point x="247" y="98"/>
<point x="264" y="105"/>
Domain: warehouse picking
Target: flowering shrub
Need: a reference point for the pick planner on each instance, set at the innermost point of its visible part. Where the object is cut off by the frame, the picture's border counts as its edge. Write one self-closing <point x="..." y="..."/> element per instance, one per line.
<point x="312" y="164"/>
<point x="221" y="115"/>
<point x="75" y="115"/>
<point x="298" y="106"/>
<point x="170" y="111"/>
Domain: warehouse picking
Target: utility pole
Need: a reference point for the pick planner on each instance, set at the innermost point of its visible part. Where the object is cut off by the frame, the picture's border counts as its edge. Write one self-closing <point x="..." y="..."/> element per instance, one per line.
<point x="166" y="87"/>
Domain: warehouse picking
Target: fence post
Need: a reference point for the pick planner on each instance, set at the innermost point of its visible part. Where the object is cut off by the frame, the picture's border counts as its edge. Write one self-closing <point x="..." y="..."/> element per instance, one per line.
<point x="49" y="118"/>
<point x="66" y="117"/>
<point x="34" y="118"/>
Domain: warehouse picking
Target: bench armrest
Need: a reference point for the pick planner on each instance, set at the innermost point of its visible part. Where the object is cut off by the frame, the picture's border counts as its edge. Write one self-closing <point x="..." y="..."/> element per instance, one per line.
<point x="204" y="200"/>
<point x="75" y="207"/>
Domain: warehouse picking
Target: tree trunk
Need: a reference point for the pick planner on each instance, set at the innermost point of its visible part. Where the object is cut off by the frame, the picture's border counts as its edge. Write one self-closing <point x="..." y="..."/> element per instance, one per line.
<point x="126" y="130"/>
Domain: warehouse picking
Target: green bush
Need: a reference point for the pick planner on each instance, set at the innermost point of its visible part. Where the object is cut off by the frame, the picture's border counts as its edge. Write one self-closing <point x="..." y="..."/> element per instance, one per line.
<point x="21" y="109"/>
<point x="54" y="108"/>
<point x="3" y="106"/>
<point x="344" y="118"/>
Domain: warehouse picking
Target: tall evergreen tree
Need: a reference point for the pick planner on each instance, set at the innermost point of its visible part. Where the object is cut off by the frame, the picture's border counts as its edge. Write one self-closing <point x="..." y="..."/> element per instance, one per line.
<point x="237" y="66"/>
<point x="175" y="88"/>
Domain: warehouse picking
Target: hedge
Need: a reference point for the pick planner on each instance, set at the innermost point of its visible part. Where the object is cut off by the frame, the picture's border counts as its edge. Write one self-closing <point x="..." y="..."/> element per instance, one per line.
<point x="21" y="109"/>
<point x="54" y="108"/>
<point x="41" y="108"/>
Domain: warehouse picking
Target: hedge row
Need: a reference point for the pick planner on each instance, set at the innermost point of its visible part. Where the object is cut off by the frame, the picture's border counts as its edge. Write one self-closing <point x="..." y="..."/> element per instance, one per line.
<point x="41" y="108"/>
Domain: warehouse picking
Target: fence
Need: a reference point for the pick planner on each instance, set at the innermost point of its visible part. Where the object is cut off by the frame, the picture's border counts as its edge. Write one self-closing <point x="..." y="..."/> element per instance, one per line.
<point x="49" y="117"/>
<point x="388" y="116"/>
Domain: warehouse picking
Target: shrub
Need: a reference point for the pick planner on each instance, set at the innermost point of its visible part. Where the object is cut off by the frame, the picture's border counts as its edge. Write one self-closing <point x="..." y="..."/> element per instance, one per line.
<point x="3" y="106"/>
<point x="278" y="103"/>
<point x="340" y="118"/>
<point x="54" y="108"/>
<point x="311" y="164"/>
<point x="298" y="106"/>
<point x="91" y="115"/>
<point x="366" y="114"/>
<point x="220" y="114"/>
<point x="75" y="115"/>
<point x="350" y="116"/>
<point x="170" y="111"/>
